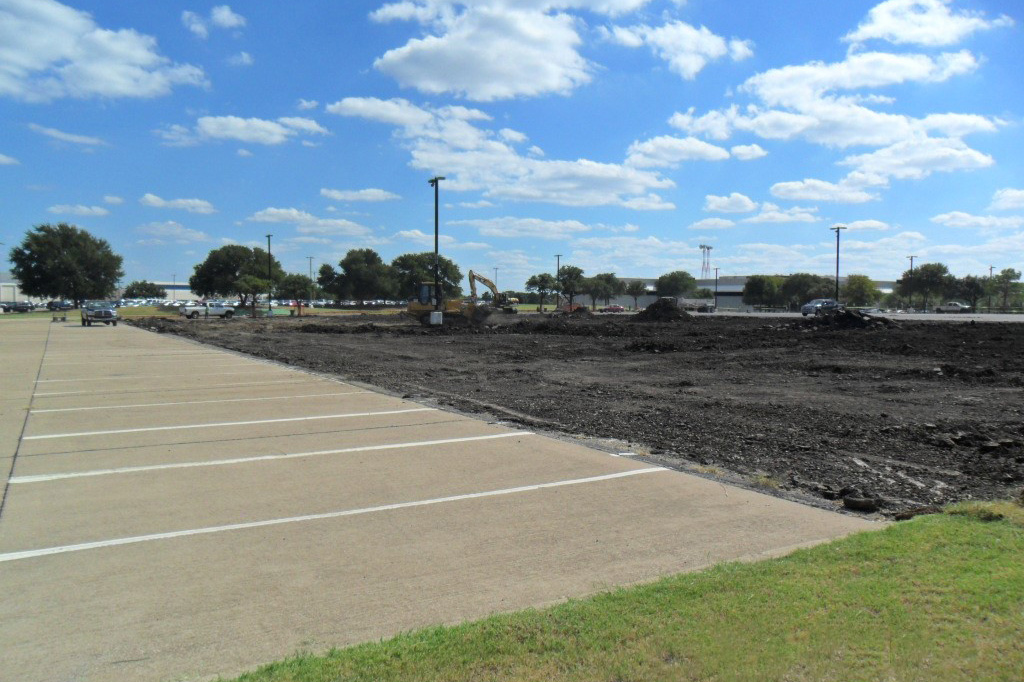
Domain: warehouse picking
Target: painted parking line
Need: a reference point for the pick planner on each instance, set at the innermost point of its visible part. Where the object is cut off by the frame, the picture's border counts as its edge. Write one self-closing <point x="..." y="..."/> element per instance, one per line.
<point x="120" y="359"/>
<point x="192" y="402"/>
<point x="348" y="415"/>
<point x="42" y="478"/>
<point x="179" y="375"/>
<point x="63" y="549"/>
<point x="214" y="387"/>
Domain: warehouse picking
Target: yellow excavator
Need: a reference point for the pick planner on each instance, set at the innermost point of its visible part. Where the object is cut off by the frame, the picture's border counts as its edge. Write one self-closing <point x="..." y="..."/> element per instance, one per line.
<point x="469" y="310"/>
<point x="506" y="303"/>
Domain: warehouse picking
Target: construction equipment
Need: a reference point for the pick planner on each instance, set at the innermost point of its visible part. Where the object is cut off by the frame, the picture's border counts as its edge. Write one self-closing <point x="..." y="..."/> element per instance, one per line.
<point x="458" y="311"/>
<point x="508" y="304"/>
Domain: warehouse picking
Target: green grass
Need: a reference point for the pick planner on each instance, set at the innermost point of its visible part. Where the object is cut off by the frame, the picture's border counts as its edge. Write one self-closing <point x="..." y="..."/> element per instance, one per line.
<point x="936" y="598"/>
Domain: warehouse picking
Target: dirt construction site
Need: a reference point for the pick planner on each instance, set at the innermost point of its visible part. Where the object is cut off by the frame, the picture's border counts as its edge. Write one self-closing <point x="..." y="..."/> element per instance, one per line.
<point x="188" y="499"/>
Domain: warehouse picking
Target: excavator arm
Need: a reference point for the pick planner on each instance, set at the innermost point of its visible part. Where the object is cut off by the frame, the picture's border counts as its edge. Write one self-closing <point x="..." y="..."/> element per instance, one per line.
<point x="498" y="297"/>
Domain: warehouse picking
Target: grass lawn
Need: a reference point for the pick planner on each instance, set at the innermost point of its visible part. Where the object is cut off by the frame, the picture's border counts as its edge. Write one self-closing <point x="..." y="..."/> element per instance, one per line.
<point x="935" y="598"/>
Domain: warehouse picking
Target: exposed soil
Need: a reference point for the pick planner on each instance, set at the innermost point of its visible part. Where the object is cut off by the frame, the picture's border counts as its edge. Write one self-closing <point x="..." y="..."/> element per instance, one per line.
<point x="855" y="411"/>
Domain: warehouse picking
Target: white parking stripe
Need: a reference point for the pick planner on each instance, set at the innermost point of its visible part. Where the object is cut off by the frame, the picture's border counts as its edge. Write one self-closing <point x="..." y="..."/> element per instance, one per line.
<point x="33" y="553"/>
<point x="217" y="424"/>
<point x="192" y="402"/>
<point x="42" y="478"/>
<point x="142" y="376"/>
<point x="205" y="387"/>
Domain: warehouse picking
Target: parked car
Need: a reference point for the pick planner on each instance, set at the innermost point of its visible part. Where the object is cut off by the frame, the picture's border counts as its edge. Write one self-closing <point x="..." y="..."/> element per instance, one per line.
<point x="952" y="307"/>
<point x="6" y="306"/>
<point x="211" y="309"/>
<point x="60" y="305"/>
<point x="612" y="309"/>
<point x="98" y="311"/>
<point x="820" y="306"/>
<point x="23" y="307"/>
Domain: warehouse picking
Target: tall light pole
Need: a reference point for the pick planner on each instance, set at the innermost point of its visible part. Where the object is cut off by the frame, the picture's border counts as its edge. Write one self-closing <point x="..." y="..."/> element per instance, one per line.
<point x="495" y="278"/>
<point x="270" y="276"/>
<point x="836" y="229"/>
<point x="716" y="290"/>
<point x="558" y="266"/>
<point x="989" y="287"/>
<point x="174" y="287"/>
<point x="310" y="259"/>
<point x="911" y="280"/>
<point x="435" y="182"/>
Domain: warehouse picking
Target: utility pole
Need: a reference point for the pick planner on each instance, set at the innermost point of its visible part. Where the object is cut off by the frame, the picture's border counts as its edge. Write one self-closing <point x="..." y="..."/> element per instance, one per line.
<point x="435" y="182"/>
<point x="836" y="229"/>
<point x="270" y="277"/>
<point x="558" y="266"/>
<point x="310" y="259"/>
<point x="989" y="287"/>
<point x="911" y="280"/>
<point x="716" y="289"/>
<point x="495" y="278"/>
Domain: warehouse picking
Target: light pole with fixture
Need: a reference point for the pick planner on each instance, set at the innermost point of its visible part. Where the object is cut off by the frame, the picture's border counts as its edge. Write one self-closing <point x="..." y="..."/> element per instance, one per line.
<point x="435" y="182"/>
<point x="310" y="259"/>
<point x="911" y="280"/>
<point x="836" y="229"/>
<point x="716" y="290"/>
<point x="270" y="278"/>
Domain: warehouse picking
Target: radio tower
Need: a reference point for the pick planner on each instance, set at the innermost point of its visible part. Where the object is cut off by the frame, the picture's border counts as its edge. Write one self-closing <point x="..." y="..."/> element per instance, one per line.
<point x="705" y="261"/>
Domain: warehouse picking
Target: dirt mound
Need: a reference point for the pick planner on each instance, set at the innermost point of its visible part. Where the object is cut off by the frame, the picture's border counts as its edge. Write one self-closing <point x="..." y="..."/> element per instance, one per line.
<point x="846" y="319"/>
<point x="663" y="310"/>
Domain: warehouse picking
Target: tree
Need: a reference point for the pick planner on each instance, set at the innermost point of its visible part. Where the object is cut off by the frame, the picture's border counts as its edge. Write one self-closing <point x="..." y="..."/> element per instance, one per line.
<point x="761" y="290"/>
<point x="220" y="273"/>
<point x="330" y="282"/>
<point x="296" y="287"/>
<point x="1005" y="284"/>
<point x="64" y="261"/>
<point x="144" y="289"/>
<point x="364" y="276"/>
<point x="249" y="287"/>
<point x="543" y="284"/>
<point x="676" y="283"/>
<point x="570" y="280"/>
<point x="609" y="285"/>
<point x="801" y="287"/>
<point x="972" y="289"/>
<point x="413" y="268"/>
<point x="927" y="280"/>
<point x="594" y="288"/>
<point x="860" y="290"/>
<point x="636" y="289"/>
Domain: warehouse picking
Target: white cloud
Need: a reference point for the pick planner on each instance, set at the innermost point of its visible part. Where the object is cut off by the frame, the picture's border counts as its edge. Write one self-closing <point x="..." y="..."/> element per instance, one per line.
<point x="113" y="200"/>
<point x="371" y="194"/>
<point x="734" y="203"/>
<point x="307" y="104"/>
<point x="171" y="231"/>
<point x="918" y="158"/>
<point x="820" y="190"/>
<point x="66" y="137"/>
<point x="190" y="205"/>
<point x="1007" y="200"/>
<point x="486" y="51"/>
<point x="474" y="158"/>
<point x="250" y="130"/>
<point x="513" y="136"/>
<point x="670" y="151"/>
<point x="861" y="225"/>
<point x="308" y="224"/>
<point x="221" y="16"/>
<point x="748" y="152"/>
<point x="240" y="59"/>
<point x="78" y="209"/>
<point x="712" y="224"/>
<point x="685" y="48"/>
<point x="50" y="51"/>
<point x="536" y="228"/>
<point x="8" y="160"/>
<point x="770" y="213"/>
<point x="921" y="22"/>
<point x="961" y="219"/>
<point x="244" y="153"/>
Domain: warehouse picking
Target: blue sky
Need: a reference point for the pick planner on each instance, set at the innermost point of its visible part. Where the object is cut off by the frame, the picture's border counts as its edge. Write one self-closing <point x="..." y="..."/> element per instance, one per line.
<point x="622" y="134"/>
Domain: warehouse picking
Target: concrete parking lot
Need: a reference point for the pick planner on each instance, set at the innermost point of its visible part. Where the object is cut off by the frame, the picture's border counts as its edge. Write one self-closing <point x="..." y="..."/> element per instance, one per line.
<point x="175" y="512"/>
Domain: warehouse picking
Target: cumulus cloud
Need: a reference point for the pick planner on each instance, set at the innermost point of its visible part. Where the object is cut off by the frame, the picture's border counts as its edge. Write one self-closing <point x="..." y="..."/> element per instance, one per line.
<point x="113" y="200"/>
<point x="190" y="205"/>
<point x="477" y="158"/>
<point x="820" y="190"/>
<point x="309" y="224"/>
<point x="734" y="203"/>
<point x="670" y="151"/>
<point x="535" y="228"/>
<point x="770" y="213"/>
<point x="307" y="104"/>
<point x="51" y="51"/>
<point x="685" y="48"/>
<point x="485" y="51"/>
<point x="371" y="194"/>
<point x="748" y="152"/>
<point x="249" y="130"/>
<point x="8" y="160"/>
<point x="220" y="16"/>
<point x="87" y="140"/>
<point x="961" y="219"/>
<point x="918" y="158"/>
<point x="240" y="59"/>
<point x="1007" y="200"/>
<point x="712" y="224"/>
<point x="861" y="225"/>
<point x="930" y="23"/>
<point x="170" y="232"/>
<point x="78" y="209"/>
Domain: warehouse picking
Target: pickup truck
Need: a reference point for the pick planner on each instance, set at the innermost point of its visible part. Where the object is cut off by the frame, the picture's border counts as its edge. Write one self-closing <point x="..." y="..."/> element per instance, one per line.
<point x="98" y="311"/>
<point x="951" y="307"/>
<point x="194" y="312"/>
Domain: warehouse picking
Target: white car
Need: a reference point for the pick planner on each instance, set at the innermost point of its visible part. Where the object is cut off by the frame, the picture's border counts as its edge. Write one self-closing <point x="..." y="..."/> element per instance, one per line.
<point x="194" y="312"/>
<point x="952" y="307"/>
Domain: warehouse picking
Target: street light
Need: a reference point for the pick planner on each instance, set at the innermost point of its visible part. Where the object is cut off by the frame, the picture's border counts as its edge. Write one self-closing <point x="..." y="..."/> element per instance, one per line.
<point x="988" y="286"/>
<point x="836" y="229"/>
<point x="270" y="277"/>
<point x="495" y="278"/>
<point x="716" y="290"/>
<point x="435" y="182"/>
<point x="911" y="280"/>
<point x="310" y="259"/>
